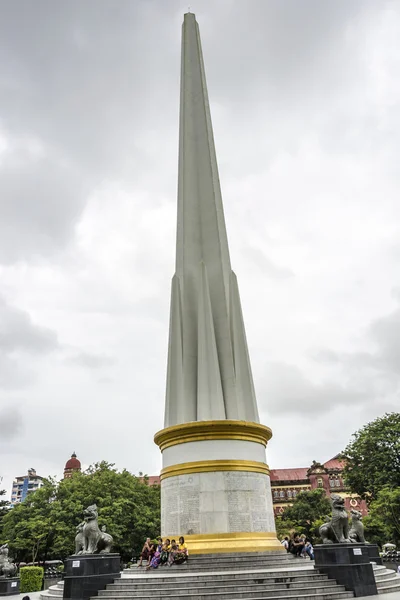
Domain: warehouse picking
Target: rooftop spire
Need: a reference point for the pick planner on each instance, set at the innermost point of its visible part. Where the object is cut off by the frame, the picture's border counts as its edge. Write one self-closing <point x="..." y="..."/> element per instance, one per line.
<point x="209" y="374"/>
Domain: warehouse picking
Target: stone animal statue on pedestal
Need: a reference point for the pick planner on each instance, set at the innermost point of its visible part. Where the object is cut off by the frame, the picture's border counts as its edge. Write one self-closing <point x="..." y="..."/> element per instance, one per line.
<point x="94" y="540"/>
<point x="7" y="568"/>
<point x="337" y="529"/>
<point x="79" y="538"/>
<point x="356" y="533"/>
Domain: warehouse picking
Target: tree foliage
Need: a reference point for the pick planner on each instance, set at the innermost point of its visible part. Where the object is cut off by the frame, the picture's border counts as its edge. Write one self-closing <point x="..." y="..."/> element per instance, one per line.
<point x="308" y="511"/>
<point x="43" y="526"/>
<point x="4" y="508"/>
<point x="373" y="457"/>
<point x="382" y="524"/>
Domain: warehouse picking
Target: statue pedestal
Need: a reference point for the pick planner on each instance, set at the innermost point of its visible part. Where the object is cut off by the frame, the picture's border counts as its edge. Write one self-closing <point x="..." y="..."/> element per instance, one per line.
<point x="86" y="574"/>
<point x="373" y="553"/>
<point x="349" y="564"/>
<point x="9" y="586"/>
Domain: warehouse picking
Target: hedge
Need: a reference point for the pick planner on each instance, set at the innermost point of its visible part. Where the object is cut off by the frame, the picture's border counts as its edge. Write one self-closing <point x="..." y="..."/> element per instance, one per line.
<point x="31" y="579"/>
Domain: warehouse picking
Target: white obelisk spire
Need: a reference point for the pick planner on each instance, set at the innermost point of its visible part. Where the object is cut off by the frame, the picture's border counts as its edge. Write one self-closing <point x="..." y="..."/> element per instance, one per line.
<point x="209" y="373"/>
<point x="215" y="487"/>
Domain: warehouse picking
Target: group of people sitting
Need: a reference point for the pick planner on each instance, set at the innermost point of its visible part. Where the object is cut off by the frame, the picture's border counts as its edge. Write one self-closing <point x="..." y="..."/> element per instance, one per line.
<point x="299" y="546"/>
<point x="159" y="553"/>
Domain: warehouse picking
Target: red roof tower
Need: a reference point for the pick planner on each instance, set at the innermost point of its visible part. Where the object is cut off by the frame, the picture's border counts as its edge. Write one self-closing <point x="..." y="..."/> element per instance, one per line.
<point x="73" y="465"/>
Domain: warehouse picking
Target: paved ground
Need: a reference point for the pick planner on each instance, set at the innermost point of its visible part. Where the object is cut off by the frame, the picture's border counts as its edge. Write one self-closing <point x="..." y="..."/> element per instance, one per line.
<point x="35" y="596"/>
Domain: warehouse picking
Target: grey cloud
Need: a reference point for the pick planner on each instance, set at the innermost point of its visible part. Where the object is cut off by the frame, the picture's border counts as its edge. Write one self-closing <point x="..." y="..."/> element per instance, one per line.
<point x="41" y="200"/>
<point x="91" y="361"/>
<point x="11" y="423"/>
<point x="385" y="332"/>
<point x="14" y="373"/>
<point x="286" y="390"/>
<point x="21" y="337"/>
<point x="79" y="78"/>
<point x="19" y="333"/>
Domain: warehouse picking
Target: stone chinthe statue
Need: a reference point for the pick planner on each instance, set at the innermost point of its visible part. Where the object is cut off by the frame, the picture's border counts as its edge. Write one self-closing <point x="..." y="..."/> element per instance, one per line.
<point x="7" y="568"/>
<point x="215" y="484"/>
<point x="89" y="537"/>
<point x="356" y="533"/>
<point x="337" y="529"/>
<point x="79" y="538"/>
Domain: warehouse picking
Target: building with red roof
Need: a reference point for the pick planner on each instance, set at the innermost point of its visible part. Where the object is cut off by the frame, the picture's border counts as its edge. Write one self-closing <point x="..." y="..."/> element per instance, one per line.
<point x="287" y="483"/>
<point x="73" y="465"/>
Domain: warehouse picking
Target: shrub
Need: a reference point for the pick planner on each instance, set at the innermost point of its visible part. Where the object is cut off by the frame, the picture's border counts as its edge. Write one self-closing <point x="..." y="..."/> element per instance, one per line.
<point x="31" y="579"/>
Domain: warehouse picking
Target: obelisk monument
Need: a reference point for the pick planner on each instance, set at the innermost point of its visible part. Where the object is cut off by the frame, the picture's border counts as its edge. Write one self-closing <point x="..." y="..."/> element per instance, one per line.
<point x="215" y="486"/>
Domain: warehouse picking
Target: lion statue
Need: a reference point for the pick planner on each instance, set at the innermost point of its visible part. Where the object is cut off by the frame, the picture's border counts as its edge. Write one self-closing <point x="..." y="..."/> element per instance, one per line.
<point x="7" y="568"/>
<point x="356" y="533"/>
<point x="337" y="529"/>
<point x="79" y="538"/>
<point x="94" y="540"/>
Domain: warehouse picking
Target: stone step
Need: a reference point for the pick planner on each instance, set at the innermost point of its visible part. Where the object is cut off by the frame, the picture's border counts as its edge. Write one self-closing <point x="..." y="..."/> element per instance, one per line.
<point x="56" y="591"/>
<point x="308" y="594"/>
<point x="380" y="575"/>
<point x="388" y="589"/>
<point x="223" y="591"/>
<point x="242" y="558"/>
<point x="235" y="554"/>
<point x="211" y="581"/>
<point x="237" y="563"/>
<point x="221" y="566"/>
<point x="172" y="575"/>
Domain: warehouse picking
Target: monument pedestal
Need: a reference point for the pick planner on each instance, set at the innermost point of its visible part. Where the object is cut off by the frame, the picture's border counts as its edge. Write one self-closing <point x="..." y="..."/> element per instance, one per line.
<point x="349" y="564"/>
<point x="86" y="574"/>
<point x="220" y="498"/>
<point x="9" y="586"/>
<point x="373" y="553"/>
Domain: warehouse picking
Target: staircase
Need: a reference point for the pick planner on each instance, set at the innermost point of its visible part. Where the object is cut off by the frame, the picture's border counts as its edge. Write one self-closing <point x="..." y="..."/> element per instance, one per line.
<point x="387" y="580"/>
<point x="53" y="592"/>
<point x="228" y="577"/>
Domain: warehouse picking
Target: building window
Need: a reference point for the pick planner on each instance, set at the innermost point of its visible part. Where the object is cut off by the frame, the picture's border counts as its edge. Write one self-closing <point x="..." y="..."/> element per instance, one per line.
<point x="276" y="494"/>
<point x="332" y="482"/>
<point x="294" y="493"/>
<point x="319" y="482"/>
<point x="337" y="482"/>
<point x="282" y="494"/>
<point x="289" y="494"/>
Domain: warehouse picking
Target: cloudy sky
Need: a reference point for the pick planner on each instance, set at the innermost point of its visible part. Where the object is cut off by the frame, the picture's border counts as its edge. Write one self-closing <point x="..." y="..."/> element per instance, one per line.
<point x="305" y="105"/>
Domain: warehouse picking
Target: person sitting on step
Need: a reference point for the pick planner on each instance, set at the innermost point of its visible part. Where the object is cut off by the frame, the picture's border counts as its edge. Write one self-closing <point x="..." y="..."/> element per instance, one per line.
<point x="182" y="555"/>
<point x="172" y="552"/>
<point x="297" y="545"/>
<point x="156" y="559"/>
<point x="147" y="552"/>
<point x="166" y="547"/>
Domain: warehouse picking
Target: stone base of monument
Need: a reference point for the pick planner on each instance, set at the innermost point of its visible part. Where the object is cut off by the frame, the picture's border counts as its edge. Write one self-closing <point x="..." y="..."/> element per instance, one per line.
<point x="86" y="574"/>
<point x="9" y="586"/>
<point x="349" y="564"/>
<point x="373" y="553"/>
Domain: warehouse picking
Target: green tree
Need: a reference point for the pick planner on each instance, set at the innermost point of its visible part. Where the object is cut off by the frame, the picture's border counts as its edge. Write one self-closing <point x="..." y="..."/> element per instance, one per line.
<point x="4" y="508"/>
<point x="382" y="524"/>
<point x="28" y="526"/>
<point x="44" y="524"/>
<point x="373" y="457"/>
<point x="306" y="514"/>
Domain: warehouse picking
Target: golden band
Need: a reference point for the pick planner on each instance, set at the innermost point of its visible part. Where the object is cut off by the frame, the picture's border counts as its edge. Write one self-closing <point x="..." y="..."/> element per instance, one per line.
<point x="216" y="543"/>
<point x="198" y="431"/>
<point x="204" y="466"/>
